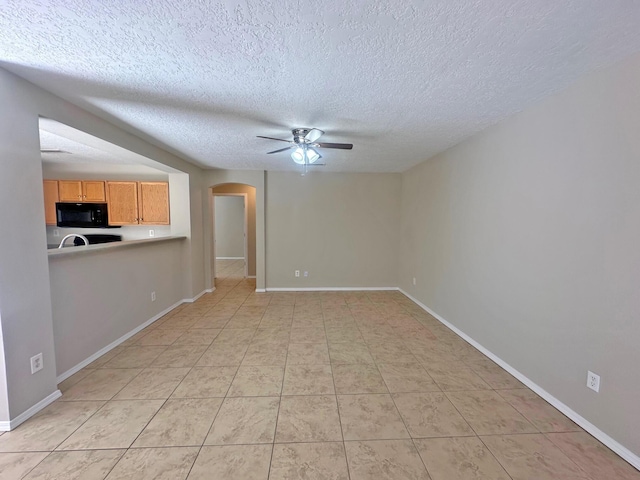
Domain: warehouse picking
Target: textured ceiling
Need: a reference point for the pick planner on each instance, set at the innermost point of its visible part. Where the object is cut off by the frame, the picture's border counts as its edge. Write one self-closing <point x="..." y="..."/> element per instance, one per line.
<point x="401" y="79"/>
<point x="79" y="157"/>
<point x="84" y="153"/>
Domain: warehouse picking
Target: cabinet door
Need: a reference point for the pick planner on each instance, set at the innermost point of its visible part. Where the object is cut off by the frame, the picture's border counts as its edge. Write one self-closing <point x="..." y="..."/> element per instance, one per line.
<point x="50" y="199"/>
<point x="122" y="200"/>
<point x="70" y="190"/>
<point x="154" y="203"/>
<point x="93" y="191"/>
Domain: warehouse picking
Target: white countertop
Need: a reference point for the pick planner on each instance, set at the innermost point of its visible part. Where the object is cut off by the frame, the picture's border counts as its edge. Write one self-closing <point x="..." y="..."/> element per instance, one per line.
<point x="99" y="247"/>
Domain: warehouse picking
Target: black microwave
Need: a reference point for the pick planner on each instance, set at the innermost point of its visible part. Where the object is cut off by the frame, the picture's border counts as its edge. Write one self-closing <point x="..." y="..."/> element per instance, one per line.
<point x="82" y="215"/>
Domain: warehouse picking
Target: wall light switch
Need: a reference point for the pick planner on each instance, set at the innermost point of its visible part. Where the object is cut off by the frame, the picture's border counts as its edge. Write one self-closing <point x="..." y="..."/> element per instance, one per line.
<point x="297" y="273"/>
<point x="56" y="232"/>
<point x="306" y="274"/>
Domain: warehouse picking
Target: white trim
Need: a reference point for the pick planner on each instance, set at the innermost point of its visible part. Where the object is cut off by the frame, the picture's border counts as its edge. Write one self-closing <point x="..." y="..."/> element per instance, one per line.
<point x="614" y="445"/>
<point x="229" y="258"/>
<point x="261" y="290"/>
<point x="117" y="342"/>
<point x="128" y="335"/>
<point x="30" y="412"/>
<point x="328" y="289"/>
<point x="251" y="276"/>
<point x="191" y="300"/>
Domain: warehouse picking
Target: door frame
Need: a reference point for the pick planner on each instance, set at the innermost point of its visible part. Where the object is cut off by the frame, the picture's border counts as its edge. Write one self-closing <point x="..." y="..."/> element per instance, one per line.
<point x="245" y="200"/>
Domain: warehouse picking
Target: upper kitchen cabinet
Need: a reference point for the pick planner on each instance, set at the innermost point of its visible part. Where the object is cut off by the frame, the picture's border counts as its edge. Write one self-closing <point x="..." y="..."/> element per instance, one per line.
<point x="138" y="203"/>
<point x="93" y="191"/>
<point x="81" y="191"/>
<point x="50" y="199"/>
<point x="122" y="201"/>
<point x="153" y="203"/>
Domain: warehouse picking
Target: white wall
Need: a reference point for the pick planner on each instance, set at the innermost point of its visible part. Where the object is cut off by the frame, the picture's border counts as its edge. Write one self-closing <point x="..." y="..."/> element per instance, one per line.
<point x="25" y="301"/>
<point x="25" y="297"/>
<point x="526" y="238"/>
<point x="99" y="296"/>
<point x="4" y="397"/>
<point x="229" y="225"/>
<point x="340" y="227"/>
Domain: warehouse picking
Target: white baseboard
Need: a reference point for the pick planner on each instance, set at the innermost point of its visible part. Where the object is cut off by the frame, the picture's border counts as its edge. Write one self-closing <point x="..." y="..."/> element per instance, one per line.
<point x="261" y="290"/>
<point x="128" y="335"/>
<point x="27" y="414"/>
<point x="229" y="258"/>
<point x="191" y="300"/>
<point x="117" y="342"/>
<point x="329" y="289"/>
<point x="614" y="445"/>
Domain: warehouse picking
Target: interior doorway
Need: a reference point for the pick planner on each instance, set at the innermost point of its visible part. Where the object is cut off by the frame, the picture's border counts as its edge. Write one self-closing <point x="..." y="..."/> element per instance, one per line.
<point x="230" y="239"/>
<point x="233" y="257"/>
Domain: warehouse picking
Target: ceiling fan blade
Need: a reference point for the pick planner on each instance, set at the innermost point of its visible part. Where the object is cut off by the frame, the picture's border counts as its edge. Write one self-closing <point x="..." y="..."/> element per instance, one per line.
<point x="313" y="134"/>
<point x="342" y="146"/>
<point x="271" y="138"/>
<point x="282" y="149"/>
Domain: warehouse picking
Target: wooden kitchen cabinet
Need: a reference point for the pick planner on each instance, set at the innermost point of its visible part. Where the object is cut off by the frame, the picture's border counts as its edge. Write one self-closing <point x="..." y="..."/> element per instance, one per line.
<point x="69" y="191"/>
<point x="153" y="203"/>
<point x="81" y="191"/>
<point x="50" y="198"/>
<point x="93" y="191"/>
<point x="122" y="201"/>
<point x="129" y="203"/>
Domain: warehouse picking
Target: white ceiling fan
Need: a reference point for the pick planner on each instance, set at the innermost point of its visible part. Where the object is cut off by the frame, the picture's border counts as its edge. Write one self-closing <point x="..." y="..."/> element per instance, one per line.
<point x="305" y="144"/>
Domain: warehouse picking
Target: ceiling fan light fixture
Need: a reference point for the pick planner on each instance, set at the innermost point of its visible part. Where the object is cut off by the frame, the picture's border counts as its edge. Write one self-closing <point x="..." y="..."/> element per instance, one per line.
<point x="312" y="155"/>
<point x="298" y="156"/>
<point x="305" y="146"/>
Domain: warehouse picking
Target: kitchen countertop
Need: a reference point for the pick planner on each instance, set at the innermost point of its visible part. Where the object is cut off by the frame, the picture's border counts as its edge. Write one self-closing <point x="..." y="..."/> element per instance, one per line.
<point x="98" y="247"/>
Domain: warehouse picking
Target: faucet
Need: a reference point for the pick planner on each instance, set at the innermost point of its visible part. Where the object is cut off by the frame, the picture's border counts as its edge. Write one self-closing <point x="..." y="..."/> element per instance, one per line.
<point x="84" y="239"/>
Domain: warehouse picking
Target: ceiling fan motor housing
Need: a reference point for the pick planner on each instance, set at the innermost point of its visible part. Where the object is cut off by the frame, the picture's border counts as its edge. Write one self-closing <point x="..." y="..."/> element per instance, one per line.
<point x="299" y="135"/>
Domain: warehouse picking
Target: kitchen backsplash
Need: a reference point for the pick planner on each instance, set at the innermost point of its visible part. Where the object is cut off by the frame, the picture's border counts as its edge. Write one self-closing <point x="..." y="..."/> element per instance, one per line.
<point x="133" y="232"/>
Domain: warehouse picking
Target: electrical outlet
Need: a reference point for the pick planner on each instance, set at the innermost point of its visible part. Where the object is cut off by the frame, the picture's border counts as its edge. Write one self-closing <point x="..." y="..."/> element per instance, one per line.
<point x="593" y="381"/>
<point x="153" y="296"/>
<point x="152" y="233"/>
<point x="36" y="363"/>
<point x="297" y="273"/>
<point x="56" y="232"/>
<point x="306" y="274"/>
<point x="414" y="280"/>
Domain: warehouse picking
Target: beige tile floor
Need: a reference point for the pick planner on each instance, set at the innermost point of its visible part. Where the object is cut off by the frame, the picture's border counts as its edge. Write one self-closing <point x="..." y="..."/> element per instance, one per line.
<point x="337" y="386"/>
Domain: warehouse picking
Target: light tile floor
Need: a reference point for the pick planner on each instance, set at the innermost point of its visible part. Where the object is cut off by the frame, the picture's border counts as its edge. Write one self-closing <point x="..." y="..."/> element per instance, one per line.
<point x="337" y="386"/>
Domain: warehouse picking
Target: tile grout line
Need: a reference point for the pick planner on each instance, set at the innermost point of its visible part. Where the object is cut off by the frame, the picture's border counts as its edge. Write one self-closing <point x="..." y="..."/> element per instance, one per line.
<point x="404" y="423"/>
<point x="470" y="426"/>
<point x="217" y="413"/>
<point x="335" y="391"/>
<point x="369" y="316"/>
